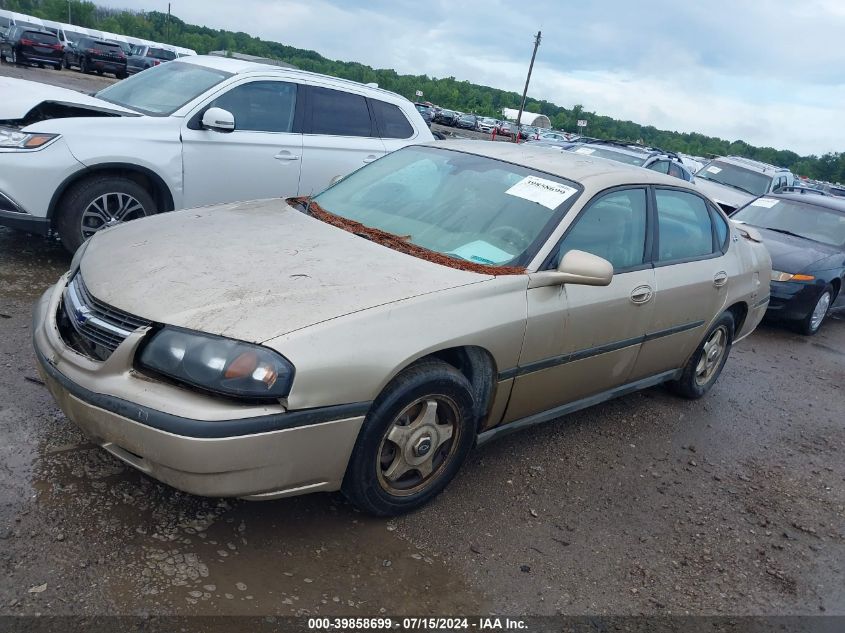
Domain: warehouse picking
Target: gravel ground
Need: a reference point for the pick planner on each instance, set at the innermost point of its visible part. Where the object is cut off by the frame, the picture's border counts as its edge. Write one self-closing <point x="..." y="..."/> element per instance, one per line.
<point x="648" y="504"/>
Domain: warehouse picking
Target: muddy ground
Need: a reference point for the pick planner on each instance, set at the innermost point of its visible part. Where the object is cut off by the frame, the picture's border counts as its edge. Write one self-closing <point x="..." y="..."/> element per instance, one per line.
<point x="648" y="504"/>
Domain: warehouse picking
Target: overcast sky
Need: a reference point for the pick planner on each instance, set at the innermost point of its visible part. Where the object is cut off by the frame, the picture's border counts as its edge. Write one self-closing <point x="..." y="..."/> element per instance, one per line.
<point x="769" y="72"/>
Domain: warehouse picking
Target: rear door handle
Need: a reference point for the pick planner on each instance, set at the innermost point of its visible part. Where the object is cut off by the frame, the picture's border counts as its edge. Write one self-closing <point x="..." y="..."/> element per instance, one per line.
<point x="720" y="279"/>
<point x="286" y="156"/>
<point x="370" y="158"/>
<point x="642" y="294"/>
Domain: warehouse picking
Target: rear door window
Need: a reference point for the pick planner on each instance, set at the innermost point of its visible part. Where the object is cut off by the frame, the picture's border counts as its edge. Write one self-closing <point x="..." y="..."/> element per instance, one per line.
<point x="684" y="227"/>
<point x="390" y="120"/>
<point x="339" y="113"/>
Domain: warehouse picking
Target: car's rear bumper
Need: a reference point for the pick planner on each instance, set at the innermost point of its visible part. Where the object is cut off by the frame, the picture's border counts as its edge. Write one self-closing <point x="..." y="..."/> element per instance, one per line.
<point x="299" y="452"/>
<point x="107" y="66"/>
<point x="43" y="59"/>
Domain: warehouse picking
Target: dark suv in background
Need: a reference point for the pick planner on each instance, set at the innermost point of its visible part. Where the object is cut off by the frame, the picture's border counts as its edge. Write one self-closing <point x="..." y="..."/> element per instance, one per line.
<point x="98" y="56"/>
<point x="22" y="45"/>
<point x="143" y="57"/>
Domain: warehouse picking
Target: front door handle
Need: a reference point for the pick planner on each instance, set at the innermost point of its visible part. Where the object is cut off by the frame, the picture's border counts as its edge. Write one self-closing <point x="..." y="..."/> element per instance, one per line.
<point x="286" y="156"/>
<point x="642" y="294"/>
<point x="720" y="279"/>
<point x="370" y="158"/>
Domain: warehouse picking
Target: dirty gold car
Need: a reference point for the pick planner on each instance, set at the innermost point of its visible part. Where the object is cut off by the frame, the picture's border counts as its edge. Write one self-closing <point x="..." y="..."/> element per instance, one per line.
<point x="367" y="339"/>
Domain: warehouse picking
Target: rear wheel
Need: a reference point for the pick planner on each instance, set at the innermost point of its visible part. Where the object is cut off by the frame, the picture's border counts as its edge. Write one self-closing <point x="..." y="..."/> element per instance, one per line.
<point x="413" y="441"/>
<point x="100" y="72"/>
<point x="13" y="59"/>
<point x="705" y="365"/>
<point x="58" y="66"/>
<point x="811" y="323"/>
<point x="121" y="75"/>
<point x="100" y="202"/>
<point x="83" y="66"/>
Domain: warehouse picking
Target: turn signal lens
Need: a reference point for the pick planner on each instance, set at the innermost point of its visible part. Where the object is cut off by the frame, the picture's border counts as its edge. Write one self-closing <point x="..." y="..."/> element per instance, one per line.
<point x="37" y="140"/>
<point x="779" y="276"/>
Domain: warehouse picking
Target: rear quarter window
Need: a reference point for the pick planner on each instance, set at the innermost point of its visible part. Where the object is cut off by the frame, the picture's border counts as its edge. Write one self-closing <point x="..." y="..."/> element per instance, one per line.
<point x="390" y="120"/>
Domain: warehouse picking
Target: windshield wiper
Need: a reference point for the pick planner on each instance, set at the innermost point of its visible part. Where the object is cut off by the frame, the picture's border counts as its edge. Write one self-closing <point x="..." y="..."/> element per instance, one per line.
<point x="727" y="184"/>
<point x="784" y="231"/>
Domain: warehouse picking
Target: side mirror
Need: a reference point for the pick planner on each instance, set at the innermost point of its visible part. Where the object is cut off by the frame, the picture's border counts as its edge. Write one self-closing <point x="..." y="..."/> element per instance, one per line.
<point x="218" y="120"/>
<point x="576" y="267"/>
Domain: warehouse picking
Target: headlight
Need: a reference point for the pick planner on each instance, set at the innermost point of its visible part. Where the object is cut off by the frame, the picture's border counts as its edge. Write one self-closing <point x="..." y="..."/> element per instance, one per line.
<point x="779" y="276"/>
<point x="218" y="364"/>
<point x="11" y="138"/>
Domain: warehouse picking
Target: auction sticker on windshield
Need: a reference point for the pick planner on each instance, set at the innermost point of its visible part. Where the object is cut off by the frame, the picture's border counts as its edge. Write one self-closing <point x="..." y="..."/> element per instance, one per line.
<point x="548" y="193"/>
<point x="713" y="169"/>
<point x="584" y="150"/>
<point x="764" y="202"/>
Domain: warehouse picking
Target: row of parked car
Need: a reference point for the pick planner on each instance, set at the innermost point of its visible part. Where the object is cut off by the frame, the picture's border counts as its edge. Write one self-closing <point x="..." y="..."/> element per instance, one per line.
<point x="29" y="40"/>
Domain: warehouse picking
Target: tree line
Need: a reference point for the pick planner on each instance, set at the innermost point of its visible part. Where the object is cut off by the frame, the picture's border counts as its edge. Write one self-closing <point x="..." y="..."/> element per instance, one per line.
<point x="447" y="92"/>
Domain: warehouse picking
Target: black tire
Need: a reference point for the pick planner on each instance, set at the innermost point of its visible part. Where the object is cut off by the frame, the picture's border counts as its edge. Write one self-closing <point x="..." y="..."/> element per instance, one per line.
<point x="121" y="75"/>
<point x="58" y="66"/>
<point x="100" y="72"/>
<point x="14" y="57"/>
<point x="806" y="326"/>
<point x="364" y="483"/>
<point x="692" y="384"/>
<point x="83" y="66"/>
<point x="40" y="65"/>
<point x="74" y="203"/>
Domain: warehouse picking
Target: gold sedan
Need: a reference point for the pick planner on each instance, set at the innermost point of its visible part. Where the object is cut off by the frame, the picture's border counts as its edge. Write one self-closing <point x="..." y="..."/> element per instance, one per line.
<point x="367" y="339"/>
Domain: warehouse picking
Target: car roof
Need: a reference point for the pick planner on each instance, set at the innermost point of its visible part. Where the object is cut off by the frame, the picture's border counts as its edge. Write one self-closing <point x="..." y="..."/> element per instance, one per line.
<point x="592" y="172"/>
<point x="750" y="163"/>
<point x="238" y="67"/>
<point x="834" y="203"/>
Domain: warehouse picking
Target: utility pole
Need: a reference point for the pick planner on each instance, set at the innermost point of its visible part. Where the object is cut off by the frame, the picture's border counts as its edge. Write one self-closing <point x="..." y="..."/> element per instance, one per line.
<point x="527" y="80"/>
<point x="68" y="12"/>
<point x="167" y="25"/>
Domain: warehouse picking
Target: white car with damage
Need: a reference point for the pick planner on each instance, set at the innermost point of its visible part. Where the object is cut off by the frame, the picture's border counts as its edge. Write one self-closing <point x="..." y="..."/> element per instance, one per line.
<point x="196" y="131"/>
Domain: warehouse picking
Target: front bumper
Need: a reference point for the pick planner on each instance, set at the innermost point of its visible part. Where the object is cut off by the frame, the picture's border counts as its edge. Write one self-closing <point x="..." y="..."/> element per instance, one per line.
<point x="221" y="449"/>
<point x="793" y="300"/>
<point x="28" y="182"/>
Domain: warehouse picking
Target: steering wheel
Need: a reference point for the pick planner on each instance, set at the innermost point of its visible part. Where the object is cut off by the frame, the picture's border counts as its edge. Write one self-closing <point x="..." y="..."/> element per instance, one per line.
<point x="512" y="236"/>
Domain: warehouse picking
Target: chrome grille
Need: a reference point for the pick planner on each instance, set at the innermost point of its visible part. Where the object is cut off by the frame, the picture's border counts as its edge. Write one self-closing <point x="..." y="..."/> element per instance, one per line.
<point x="100" y="327"/>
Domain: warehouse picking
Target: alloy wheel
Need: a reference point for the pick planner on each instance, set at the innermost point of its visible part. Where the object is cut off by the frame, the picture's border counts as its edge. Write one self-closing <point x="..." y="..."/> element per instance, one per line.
<point x="418" y="445"/>
<point x="108" y="210"/>
<point x="820" y="311"/>
<point x="711" y="355"/>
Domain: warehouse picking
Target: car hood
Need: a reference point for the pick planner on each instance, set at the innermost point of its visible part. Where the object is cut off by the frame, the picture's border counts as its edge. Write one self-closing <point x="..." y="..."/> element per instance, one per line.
<point x="792" y="254"/>
<point x="722" y="194"/>
<point x="251" y="270"/>
<point x="22" y="98"/>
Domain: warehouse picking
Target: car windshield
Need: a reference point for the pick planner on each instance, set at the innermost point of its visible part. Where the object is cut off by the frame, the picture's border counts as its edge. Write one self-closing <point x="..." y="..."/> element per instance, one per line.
<point x="799" y="218"/>
<point x="162" y="90"/>
<point x="737" y="177"/>
<point x="619" y="157"/>
<point x="469" y="207"/>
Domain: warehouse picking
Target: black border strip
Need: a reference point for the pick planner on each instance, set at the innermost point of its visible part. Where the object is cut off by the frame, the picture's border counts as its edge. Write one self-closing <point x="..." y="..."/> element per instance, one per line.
<point x="203" y="428"/>
<point x="554" y="361"/>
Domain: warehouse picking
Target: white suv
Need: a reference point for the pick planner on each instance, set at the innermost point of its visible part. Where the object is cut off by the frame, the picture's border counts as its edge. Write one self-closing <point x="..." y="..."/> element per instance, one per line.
<point x="195" y="131"/>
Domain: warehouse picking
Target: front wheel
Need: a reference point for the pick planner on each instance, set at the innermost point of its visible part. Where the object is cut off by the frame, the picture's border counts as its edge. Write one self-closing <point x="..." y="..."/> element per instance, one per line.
<point x="98" y="203"/>
<point x="413" y="441"/>
<point x="811" y="323"/>
<point x="83" y="66"/>
<point x="58" y="66"/>
<point x="705" y="365"/>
